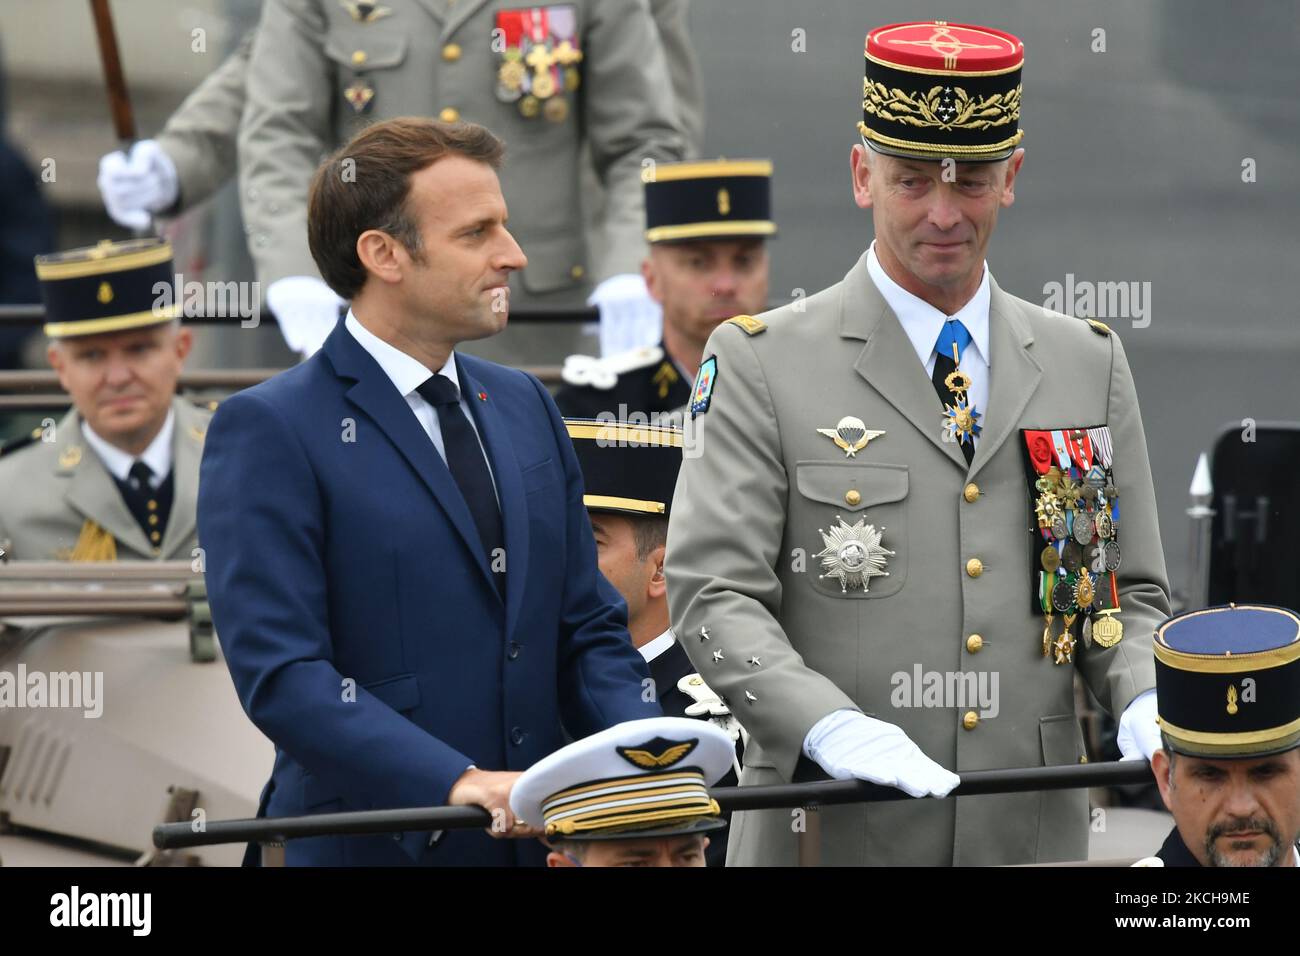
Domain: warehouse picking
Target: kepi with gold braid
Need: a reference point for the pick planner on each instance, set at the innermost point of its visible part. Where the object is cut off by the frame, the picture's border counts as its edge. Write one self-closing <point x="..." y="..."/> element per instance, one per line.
<point x="1228" y="681"/>
<point x="637" y="780"/>
<point x="708" y="200"/>
<point x="109" y="287"/>
<point x="936" y="89"/>
<point x="627" y="468"/>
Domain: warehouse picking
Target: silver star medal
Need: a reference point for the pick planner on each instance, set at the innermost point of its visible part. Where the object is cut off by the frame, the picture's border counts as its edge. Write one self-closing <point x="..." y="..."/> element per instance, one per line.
<point x="850" y="435"/>
<point x="853" y="554"/>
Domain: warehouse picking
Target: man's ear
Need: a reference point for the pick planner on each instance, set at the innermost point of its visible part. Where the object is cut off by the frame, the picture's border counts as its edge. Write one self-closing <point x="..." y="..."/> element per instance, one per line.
<point x="381" y="255"/>
<point x="860" y="169"/>
<point x="1014" y="162"/>
<point x="657" y="586"/>
<point x="1160" y="770"/>
<point x="183" y="343"/>
<point x="554" y="859"/>
<point x="650" y="272"/>
<point x="55" y="355"/>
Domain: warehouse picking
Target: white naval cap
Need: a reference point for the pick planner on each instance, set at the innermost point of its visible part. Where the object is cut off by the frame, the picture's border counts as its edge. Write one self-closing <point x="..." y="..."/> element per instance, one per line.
<point x="642" y="778"/>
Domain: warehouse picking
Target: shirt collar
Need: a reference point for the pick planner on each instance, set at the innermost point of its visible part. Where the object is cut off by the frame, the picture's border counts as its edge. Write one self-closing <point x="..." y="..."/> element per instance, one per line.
<point x="158" y="456"/>
<point x="922" y="321"/>
<point x="654" y="648"/>
<point x="405" y="372"/>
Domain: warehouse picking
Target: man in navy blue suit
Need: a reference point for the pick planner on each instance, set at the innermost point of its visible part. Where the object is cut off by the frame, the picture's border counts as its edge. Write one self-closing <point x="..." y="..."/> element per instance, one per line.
<point x="398" y="560"/>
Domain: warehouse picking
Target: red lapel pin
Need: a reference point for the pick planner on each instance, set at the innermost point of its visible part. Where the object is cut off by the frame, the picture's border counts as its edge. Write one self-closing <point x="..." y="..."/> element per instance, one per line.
<point x="482" y="396"/>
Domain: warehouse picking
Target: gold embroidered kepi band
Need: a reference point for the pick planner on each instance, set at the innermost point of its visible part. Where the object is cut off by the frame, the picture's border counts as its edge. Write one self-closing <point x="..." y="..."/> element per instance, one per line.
<point x="712" y="199"/>
<point x="627" y="468"/>
<point x="107" y="287"/>
<point x="1228" y="681"/>
<point x="636" y="780"/>
<point x="934" y="90"/>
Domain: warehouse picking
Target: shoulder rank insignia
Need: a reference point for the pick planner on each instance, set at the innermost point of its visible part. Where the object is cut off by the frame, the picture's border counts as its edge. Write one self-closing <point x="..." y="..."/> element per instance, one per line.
<point x="658" y="753"/>
<point x="749" y="324"/>
<point x="1101" y="328"/>
<point x="702" y="393"/>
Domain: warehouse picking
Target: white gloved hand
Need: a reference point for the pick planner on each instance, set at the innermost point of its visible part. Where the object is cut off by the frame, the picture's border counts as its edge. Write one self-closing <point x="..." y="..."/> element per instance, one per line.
<point x="306" y="309"/>
<point x="629" y="318"/>
<point x="1138" y="736"/>
<point x="858" y="746"/>
<point x="137" y="185"/>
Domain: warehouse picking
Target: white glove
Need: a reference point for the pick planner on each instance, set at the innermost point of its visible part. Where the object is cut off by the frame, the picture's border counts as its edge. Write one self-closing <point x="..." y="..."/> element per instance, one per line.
<point x="629" y="318"/>
<point x="135" y="186"/>
<point x="307" y="310"/>
<point x="1139" y="734"/>
<point x="847" y="745"/>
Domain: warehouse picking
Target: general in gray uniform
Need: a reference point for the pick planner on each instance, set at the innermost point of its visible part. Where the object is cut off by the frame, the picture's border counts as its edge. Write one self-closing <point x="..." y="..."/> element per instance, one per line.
<point x="117" y="477"/>
<point x="553" y="81"/>
<point x="896" y="534"/>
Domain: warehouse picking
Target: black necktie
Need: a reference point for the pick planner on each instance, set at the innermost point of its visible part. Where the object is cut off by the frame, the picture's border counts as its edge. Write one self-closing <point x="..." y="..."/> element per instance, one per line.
<point x="467" y="464"/>
<point x="140" y="476"/>
<point x="943" y="367"/>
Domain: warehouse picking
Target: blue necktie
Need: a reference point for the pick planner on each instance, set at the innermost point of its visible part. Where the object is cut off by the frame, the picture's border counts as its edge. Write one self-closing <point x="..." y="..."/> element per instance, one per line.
<point x="952" y="333"/>
<point x="467" y="464"/>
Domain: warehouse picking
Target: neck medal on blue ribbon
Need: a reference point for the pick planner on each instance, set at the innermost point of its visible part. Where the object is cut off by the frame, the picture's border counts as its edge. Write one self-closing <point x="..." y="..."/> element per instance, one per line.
<point x="960" y="419"/>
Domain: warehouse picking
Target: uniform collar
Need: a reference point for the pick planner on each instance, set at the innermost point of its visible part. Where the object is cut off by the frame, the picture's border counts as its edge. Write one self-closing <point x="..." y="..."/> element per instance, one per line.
<point x="158" y="456"/>
<point x="406" y="373"/>
<point x="922" y="321"/>
<point x="654" y="648"/>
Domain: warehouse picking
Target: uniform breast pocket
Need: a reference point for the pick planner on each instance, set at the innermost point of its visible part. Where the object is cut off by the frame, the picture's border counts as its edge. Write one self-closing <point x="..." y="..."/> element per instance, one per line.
<point x="856" y="534"/>
<point x="366" y="66"/>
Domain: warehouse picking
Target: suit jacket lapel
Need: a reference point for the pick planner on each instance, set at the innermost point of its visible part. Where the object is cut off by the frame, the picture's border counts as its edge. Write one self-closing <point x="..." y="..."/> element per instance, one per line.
<point x="91" y="491"/>
<point x="1014" y="375"/>
<point x="374" y="394"/>
<point x="510" y="490"/>
<point x="187" y="452"/>
<point x="461" y="11"/>
<point x="436" y="9"/>
<point x="888" y="362"/>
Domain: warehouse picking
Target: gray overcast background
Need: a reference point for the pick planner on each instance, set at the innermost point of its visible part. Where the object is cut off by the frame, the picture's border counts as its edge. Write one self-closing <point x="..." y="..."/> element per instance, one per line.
<point x="1133" y="173"/>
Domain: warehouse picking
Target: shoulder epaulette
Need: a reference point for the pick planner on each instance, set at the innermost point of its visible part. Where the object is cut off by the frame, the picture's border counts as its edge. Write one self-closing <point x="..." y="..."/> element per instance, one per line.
<point x="22" y="442"/>
<point x="603" y="373"/>
<point x="749" y="324"/>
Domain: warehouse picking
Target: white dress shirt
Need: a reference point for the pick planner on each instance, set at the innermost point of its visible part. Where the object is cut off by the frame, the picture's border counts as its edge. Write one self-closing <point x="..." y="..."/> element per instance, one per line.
<point x="652" y="649"/>
<point x="922" y="322"/>
<point x="407" y="374"/>
<point x="158" y="456"/>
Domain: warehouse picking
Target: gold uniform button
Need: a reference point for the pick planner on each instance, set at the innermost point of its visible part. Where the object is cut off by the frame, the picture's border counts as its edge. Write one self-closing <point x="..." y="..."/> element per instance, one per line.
<point x="970" y="719"/>
<point x="358" y="57"/>
<point x="974" y="643"/>
<point x="153" y="505"/>
<point x="451" y="52"/>
<point x="974" y="567"/>
<point x="153" y="519"/>
<point x="852" y="497"/>
<point x="577" y="272"/>
<point x="1083" y="759"/>
<point x="449" y="115"/>
<point x="154" y="536"/>
<point x="971" y="492"/>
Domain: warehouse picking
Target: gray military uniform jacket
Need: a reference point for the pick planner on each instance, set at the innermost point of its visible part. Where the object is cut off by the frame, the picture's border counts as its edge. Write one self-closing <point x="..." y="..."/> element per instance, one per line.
<point x="58" y="493"/>
<point x="426" y="58"/>
<point x="758" y="482"/>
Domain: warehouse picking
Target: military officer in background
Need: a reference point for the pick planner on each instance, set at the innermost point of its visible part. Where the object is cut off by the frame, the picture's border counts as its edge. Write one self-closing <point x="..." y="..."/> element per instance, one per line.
<point x="1228" y="681"/>
<point x="707" y="224"/>
<point x="899" y="534"/>
<point x="117" y="477"/>
<point x="635" y="794"/>
<point x="554" y="81"/>
<point x="628" y="473"/>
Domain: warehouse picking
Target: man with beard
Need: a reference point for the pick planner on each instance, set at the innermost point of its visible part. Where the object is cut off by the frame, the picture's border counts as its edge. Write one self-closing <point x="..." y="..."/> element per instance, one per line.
<point x="1228" y="687"/>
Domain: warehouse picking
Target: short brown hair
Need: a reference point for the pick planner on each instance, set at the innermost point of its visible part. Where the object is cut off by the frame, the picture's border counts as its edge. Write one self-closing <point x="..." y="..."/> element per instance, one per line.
<point x="365" y="183"/>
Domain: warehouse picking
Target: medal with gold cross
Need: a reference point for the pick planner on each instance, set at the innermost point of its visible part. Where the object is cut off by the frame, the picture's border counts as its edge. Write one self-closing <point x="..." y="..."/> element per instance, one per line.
<point x="960" y="419"/>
